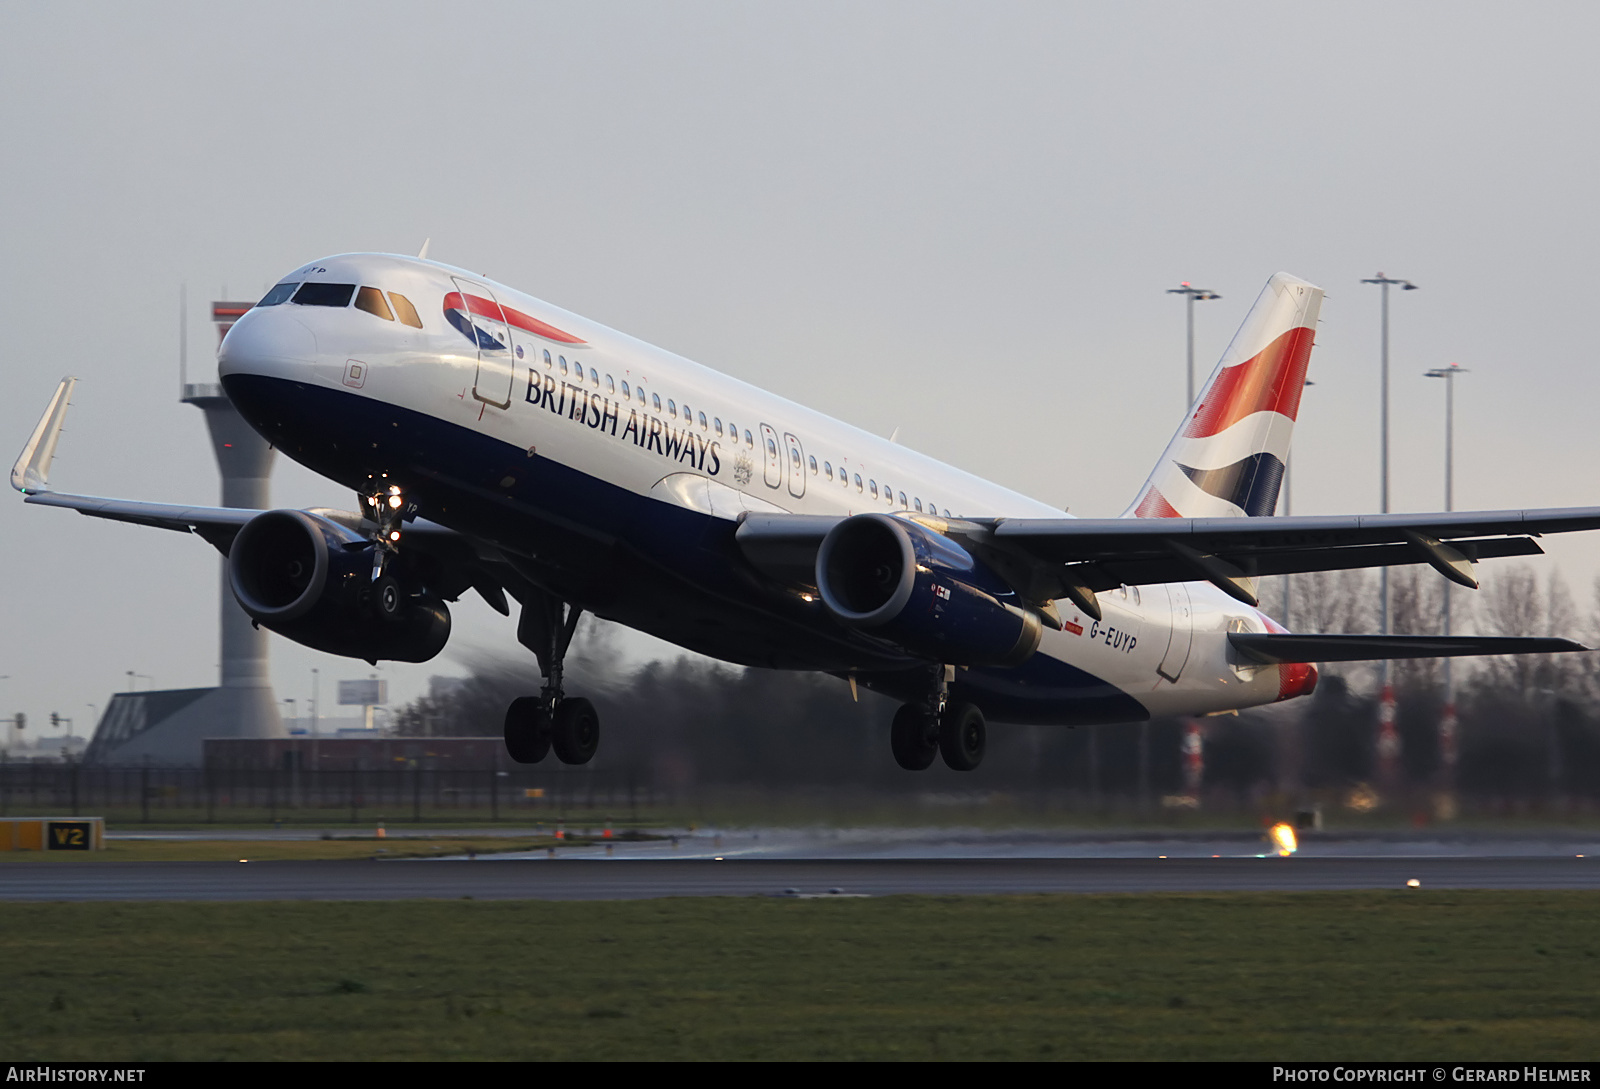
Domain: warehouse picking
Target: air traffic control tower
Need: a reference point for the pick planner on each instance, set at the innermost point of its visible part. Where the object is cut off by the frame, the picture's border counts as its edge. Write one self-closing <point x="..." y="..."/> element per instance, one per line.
<point x="170" y="727"/>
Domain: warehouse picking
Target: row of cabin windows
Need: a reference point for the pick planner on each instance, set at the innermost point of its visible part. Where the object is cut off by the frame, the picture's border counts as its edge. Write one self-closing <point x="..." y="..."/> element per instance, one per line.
<point x="687" y="415"/>
<point x="869" y="487"/>
<point x="575" y="370"/>
<point x="369" y="299"/>
<point x="631" y="393"/>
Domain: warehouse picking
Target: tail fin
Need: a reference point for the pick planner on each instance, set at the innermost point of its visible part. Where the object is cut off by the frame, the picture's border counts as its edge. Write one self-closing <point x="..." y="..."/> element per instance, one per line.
<point x="1228" y="457"/>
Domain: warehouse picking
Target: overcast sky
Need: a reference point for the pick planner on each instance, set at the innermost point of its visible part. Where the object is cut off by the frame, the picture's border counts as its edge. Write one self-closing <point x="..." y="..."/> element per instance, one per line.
<point x="957" y="219"/>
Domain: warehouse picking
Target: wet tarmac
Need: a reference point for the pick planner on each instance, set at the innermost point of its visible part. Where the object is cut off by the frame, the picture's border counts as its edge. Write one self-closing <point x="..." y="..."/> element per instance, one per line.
<point x="856" y="862"/>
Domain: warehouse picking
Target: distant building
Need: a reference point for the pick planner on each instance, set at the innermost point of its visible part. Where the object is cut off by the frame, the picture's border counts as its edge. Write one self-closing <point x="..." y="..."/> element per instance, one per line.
<point x="167" y="727"/>
<point x="47" y="749"/>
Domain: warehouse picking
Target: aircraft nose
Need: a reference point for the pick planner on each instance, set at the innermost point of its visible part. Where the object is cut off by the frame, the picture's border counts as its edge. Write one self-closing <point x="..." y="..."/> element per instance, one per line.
<point x="267" y="341"/>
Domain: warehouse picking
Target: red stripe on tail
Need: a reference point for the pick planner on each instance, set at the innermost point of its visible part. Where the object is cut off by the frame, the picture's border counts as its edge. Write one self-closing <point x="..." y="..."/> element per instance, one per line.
<point x="1155" y="505"/>
<point x="1270" y="381"/>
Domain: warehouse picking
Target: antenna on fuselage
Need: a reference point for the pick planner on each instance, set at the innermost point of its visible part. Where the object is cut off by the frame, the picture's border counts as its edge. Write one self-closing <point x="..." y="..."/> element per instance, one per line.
<point x="422" y="254"/>
<point x="894" y="436"/>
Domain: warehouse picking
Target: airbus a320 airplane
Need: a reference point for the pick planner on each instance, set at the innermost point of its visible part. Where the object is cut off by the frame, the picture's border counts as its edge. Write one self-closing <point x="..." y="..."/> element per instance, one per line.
<point x="499" y="444"/>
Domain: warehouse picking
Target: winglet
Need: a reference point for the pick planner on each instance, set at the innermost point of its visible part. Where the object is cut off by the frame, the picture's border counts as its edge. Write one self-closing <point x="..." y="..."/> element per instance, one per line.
<point x="31" y="473"/>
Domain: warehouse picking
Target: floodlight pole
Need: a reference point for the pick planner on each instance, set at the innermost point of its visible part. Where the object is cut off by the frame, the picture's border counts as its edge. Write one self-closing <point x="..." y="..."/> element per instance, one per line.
<point x="1190" y="294"/>
<point x="1447" y="717"/>
<point x="1388" y="738"/>
<point x="1288" y="509"/>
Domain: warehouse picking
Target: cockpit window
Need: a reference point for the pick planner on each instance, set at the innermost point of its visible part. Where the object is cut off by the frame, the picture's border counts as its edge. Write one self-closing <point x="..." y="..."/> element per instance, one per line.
<point x="370" y="299"/>
<point x="311" y="294"/>
<point x="404" y="310"/>
<point x="278" y="295"/>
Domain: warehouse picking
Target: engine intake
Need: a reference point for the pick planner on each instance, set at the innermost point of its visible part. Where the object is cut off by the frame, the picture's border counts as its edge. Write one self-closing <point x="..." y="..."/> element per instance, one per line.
<point x="310" y="579"/>
<point x="924" y="591"/>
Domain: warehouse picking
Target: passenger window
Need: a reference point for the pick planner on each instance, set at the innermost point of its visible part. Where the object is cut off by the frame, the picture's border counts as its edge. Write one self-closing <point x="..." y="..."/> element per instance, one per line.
<point x="405" y="311"/>
<point x="772" y="449"/>
<point x="858" y="482"/>
<point x="903" y="503"/>
<point x="594" y="377"/>
<point x="703" y="424"/>
<point x="627" y="394"/>
<point x="688" y="414"/>
<point x="563" y="361"/>
<point x="657" y="398"/>
<point x="827" y="469"/>
<point x="547" y="359"/>
<point x="813" y="461"/>
<point x="311" y="294"/>
<point x="717" y="423"/>
<point x="917" y="504"/>
<point x="640" y="391"/>
<point x="748" y="441"/>
<point x="872" y="487"/>
<point x="610" y="386"/>
<point x="672" y="408"/>
<point x="370" y="299"/>
<point x="279" y="294"/>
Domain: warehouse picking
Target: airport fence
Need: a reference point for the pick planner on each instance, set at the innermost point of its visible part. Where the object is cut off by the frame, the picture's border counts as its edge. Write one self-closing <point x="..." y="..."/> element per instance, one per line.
<point x="159" y="795"/>
<point x="580" y="796"/>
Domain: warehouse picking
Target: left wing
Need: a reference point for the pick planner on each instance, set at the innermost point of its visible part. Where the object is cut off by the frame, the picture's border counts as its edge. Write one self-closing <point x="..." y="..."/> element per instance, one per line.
<point x="1046" y="559"/>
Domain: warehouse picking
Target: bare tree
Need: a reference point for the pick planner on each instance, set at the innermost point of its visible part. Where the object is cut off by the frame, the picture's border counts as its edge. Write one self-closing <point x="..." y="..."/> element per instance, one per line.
<point x="1416" y="603"/>
<point x="1514" y="603"/>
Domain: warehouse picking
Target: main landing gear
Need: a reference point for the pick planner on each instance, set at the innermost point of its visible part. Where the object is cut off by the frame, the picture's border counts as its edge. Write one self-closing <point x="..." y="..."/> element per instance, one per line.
<point x="550" y="720"/>
<point x="954" y="730"/>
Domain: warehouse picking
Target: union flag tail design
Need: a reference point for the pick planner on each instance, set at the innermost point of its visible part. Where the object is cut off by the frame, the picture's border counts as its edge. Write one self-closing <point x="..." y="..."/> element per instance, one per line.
<point x="1228" y="457"/>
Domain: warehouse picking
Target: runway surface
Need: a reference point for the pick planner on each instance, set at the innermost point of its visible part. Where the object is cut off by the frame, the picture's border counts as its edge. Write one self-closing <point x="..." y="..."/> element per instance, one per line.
<point x="629" y="879"/>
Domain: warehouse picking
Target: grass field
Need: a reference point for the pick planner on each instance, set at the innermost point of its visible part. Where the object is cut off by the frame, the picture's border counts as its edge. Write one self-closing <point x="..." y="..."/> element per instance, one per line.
<point x="1420" y="975"/>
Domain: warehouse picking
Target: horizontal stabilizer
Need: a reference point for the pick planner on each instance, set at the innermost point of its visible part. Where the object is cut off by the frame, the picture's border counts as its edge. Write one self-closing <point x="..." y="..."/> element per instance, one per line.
<point x="1372" y="648"/>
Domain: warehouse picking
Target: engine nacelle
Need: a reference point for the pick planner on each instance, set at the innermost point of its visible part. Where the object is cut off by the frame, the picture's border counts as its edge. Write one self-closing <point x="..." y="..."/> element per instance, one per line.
<point x="310" y="580"/>
<point x="920" y="589"/>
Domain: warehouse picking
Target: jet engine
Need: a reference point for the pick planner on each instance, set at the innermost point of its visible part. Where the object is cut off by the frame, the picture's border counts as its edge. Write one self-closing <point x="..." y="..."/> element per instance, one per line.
<point x="900" y="580"/>
<point x="310" y="579"/>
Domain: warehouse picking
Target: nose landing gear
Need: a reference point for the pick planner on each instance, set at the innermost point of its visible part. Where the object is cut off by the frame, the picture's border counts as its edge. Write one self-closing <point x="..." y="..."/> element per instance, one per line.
<point x="385" y="505"/>
<point x="536" y="724"/>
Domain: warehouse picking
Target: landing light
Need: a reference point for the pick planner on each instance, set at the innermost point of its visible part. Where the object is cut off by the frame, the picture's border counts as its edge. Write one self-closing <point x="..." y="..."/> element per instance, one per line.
<point x="394" y="535"/>
<point x="1283" y="839"/>
<point x="395" y="501"/>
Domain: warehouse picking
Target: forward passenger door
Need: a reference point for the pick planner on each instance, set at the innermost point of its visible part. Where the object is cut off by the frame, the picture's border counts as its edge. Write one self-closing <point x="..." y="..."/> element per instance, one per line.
<point x="496" y="367"/>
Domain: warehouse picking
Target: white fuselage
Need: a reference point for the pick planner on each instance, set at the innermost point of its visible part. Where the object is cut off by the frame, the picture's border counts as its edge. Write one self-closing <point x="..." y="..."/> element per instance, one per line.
<point x="568" y="395"/>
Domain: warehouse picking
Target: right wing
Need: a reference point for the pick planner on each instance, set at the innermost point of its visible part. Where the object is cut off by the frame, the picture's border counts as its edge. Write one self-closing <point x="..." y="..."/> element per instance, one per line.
<point x="462" y="562"/>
